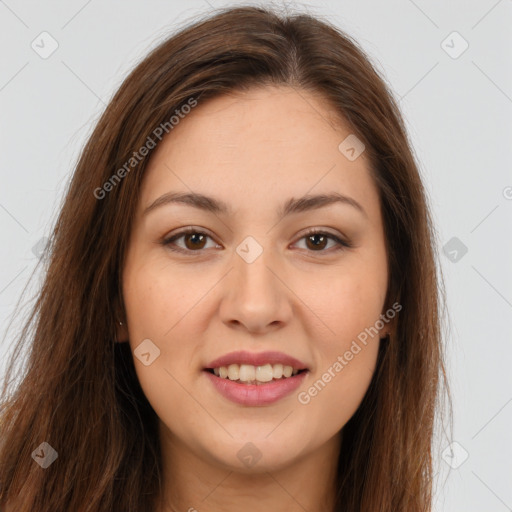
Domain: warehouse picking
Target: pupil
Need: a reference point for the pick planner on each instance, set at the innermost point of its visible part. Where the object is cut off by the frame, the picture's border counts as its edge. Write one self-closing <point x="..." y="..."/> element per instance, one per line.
<point x="193" y="235"/>
<point x="311" y="237"/>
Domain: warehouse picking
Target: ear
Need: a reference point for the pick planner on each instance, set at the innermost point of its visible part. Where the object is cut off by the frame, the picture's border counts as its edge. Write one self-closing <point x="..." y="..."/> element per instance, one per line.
<point x="386" y="331"/>
<point x="390" y="323"/>
<point x="121" y="330"/>
<point x="120" y="323"/>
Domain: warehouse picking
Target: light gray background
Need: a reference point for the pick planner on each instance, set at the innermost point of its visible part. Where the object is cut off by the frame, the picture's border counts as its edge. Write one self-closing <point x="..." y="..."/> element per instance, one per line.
<point x="458" y="112"/>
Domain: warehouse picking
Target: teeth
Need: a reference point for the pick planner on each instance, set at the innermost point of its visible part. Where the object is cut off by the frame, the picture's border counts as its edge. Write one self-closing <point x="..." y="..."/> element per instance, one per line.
<point x="254" y="374"/>
<point x="264" y="373"/>
<point x="247" y="372"/>
<point x="233" y="372"/>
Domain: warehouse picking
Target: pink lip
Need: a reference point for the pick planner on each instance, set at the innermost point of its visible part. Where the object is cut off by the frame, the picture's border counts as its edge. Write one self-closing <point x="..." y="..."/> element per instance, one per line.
<point x="256" y="394"/>
<point x="257" y="359"/>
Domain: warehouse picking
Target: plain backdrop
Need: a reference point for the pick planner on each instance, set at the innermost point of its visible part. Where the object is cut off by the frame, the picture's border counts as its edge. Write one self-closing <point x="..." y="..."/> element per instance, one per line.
<point x="448" y="64"/>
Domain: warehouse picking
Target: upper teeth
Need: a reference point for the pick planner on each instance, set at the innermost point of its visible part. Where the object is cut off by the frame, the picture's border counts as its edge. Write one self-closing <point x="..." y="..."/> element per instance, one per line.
<point x="248" y="372"/>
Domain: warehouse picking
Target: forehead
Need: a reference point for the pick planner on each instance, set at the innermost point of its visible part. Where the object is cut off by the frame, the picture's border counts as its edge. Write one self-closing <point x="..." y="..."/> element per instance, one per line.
<point x="256" y="147"/>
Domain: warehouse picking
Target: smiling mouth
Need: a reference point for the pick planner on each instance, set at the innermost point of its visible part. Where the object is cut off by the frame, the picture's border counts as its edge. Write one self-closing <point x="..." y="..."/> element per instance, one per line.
<point x="255" y="375"/>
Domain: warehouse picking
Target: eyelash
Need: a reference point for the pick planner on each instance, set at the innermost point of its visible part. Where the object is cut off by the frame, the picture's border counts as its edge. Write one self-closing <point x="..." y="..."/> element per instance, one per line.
<point x="342" y="244"/>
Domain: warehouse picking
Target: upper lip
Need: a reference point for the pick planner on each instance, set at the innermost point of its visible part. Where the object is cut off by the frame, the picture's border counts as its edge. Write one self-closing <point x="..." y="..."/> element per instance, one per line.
<point x="257" y="359"/>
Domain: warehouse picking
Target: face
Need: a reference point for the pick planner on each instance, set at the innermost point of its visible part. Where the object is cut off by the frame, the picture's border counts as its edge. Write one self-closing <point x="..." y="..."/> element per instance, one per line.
<point x="251" y="277"/>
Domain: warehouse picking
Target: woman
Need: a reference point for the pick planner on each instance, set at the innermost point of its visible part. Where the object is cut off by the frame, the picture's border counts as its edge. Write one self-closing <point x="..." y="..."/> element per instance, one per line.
<point x="241" y="306"/>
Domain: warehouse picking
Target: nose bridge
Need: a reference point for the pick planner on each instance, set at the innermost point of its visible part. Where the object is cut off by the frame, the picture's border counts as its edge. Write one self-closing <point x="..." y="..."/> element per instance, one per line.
<point x="255" y="296"/>
<point x="252" y="274"/>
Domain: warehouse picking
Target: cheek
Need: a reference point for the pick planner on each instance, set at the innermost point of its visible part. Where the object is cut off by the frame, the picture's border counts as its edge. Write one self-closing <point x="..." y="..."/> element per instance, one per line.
<point x="346" y="357"/>
<point x="345" y="342"/>
<point x="346" y="302"/>
<point x="159" y="306"/>
<point x="158" y="299"/>
<point x="334" y="394"/>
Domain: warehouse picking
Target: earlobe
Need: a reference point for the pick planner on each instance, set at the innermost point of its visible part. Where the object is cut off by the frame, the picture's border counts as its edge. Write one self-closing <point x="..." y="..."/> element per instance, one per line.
<point x="121" y="332"/>
<point x="119" y="317"/>
<point x="389" y="329"/>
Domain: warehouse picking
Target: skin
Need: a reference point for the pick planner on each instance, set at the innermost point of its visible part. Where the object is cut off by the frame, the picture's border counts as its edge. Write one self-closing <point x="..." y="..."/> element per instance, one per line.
<point x="254" y="150"/>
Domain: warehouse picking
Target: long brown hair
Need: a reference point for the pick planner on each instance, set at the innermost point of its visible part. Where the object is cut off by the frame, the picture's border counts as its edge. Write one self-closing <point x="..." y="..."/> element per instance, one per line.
<point x="79" y="392"/>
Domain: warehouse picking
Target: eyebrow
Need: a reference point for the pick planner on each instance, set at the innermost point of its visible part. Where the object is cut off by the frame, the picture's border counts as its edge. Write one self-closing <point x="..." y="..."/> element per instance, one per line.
<point x="291" y="206"/>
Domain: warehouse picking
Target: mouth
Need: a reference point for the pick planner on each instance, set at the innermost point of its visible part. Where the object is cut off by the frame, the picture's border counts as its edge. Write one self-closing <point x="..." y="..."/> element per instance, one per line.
<point x="256" y="378"/>
<point x="255" y="375"/>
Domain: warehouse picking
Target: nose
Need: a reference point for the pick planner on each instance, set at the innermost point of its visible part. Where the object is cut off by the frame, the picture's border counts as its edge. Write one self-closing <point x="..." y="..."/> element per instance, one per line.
<point x="256" y="296"/>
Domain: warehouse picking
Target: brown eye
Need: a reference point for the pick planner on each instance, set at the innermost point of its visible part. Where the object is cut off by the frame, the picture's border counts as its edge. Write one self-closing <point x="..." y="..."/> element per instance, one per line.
<point x="194" y="241"/>
<point x="316" y="241"/>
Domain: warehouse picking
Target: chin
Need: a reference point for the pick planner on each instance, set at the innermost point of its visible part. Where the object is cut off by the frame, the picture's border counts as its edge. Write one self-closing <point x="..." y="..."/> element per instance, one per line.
<point x="254" y="455"/>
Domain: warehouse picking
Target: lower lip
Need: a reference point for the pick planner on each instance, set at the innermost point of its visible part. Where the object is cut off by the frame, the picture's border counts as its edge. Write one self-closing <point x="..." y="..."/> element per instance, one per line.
<point x="256" y="394"/>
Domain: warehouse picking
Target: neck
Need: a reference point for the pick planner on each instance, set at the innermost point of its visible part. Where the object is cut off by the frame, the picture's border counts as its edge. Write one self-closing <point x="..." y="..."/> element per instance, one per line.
<point x="194" y="484"/>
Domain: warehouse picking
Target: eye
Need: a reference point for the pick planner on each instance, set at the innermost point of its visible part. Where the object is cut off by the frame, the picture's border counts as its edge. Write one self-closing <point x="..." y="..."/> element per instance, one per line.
<point x="317" y="240"/>
<point x="195" y="241"/>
